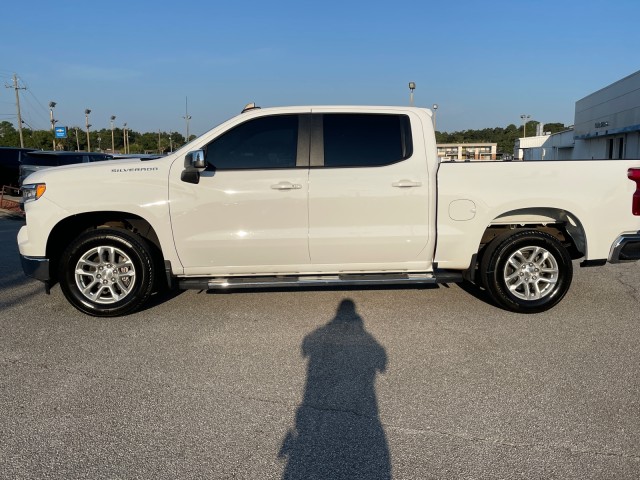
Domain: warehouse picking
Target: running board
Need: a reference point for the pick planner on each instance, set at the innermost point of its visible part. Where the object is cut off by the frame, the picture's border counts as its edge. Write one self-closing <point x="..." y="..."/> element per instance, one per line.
<point x="222" y="283"/>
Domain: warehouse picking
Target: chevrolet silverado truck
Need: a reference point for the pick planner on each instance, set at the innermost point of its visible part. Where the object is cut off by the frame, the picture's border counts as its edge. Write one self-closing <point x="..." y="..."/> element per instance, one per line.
<point x="309" y="196"/>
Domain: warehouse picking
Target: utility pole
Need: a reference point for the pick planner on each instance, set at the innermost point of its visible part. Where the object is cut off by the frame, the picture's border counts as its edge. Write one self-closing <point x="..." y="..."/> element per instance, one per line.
<point x="16" y="88"/>
<point x="159" y="142"/>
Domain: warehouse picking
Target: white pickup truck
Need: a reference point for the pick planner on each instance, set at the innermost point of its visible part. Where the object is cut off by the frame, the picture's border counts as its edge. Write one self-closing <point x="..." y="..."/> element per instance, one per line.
<point x="302" y="196"/>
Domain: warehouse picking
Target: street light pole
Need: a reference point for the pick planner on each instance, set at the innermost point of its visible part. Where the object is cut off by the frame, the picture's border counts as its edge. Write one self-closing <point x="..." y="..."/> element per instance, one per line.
<point x="113" y="143"/>
<point x="124" y="138"/>
<point x="435" y="110"/>
<point x="86" y="117"/>
<point x="524" y="124"/>
<point x="52" y="105"/>
<point x="127" y="145"/>
<point x="187" y="117"/>
<point x="412" y="87"/>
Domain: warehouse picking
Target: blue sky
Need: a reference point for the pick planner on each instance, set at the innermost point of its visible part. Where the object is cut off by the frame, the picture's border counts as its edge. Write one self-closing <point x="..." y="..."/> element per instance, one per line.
<point x="484" y="63"/>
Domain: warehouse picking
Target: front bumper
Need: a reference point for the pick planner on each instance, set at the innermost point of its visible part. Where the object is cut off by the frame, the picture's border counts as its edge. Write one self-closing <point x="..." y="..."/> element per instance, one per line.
<point x="36" y="267"/>
<point x="626" y="248"/>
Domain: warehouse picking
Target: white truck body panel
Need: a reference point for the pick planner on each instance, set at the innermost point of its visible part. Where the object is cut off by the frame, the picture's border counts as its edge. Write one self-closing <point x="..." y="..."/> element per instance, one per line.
<point x="596" y="195"/>
<point x="258" y="229"/>
<point x="364" y="216"/>
<point x="130" y="186"/>
<point x="412" y="216"/>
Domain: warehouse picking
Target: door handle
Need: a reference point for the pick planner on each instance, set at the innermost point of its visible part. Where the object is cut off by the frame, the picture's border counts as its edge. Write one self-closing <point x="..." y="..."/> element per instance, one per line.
<point x="406" y="184"/>
<point x="286" y="186"/>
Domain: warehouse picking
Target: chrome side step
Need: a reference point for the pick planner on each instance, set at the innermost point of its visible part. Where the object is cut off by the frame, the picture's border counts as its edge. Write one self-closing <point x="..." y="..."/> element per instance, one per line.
<point x="284" y="281"/>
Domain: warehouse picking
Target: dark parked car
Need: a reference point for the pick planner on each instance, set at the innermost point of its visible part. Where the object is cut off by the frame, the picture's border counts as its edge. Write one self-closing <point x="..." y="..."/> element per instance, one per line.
<point x="10" y="159"/>
<point x="38" y="160"/>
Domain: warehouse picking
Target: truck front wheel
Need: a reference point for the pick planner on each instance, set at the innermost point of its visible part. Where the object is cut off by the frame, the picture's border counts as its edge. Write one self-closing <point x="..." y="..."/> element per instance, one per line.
<point x="527" y="272"/>
<point x="107" y="272"/>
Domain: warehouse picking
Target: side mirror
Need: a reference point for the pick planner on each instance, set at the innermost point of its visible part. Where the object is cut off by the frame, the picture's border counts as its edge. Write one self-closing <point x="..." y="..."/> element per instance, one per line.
<point x="194" y="163"/>
<point x="196" y="160"/>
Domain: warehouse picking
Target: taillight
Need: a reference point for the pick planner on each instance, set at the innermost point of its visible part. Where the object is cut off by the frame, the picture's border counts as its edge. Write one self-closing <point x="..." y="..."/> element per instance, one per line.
<point x="634" y="175"/>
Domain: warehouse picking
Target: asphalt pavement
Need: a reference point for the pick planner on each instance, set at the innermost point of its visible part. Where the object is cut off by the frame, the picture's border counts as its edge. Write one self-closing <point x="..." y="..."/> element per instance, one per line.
<point x="373" y="383"/>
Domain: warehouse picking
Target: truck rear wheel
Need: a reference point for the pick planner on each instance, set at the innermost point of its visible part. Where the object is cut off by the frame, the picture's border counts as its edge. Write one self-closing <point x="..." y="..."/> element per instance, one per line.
<point x="527" y="272"/>
<point x="107" y="272"/>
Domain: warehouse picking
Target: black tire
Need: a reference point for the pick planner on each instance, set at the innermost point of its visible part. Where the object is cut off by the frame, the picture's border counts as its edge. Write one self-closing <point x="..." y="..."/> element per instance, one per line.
<point x="526" y="272"/>
<point x="118" y="272"/>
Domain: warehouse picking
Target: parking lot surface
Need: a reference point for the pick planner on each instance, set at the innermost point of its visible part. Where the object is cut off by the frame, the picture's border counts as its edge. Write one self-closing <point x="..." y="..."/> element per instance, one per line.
<point x="406" y="383"/>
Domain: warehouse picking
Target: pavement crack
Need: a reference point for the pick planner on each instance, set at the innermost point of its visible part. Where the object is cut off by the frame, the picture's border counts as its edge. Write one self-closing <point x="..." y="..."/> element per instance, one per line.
<point x="8" y="362"/>
<point x="13" y="362"/>
<point x="317" y="408"/>
<point x="505" y="443"/>
<point x="630" y="286"/>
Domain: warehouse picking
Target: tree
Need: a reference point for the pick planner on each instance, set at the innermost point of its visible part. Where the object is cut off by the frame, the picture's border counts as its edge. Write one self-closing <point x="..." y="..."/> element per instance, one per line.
<point x="554" y="127"/>
<point x="148" y="141"/>
<point x="38" y="139"/>
<point x="504" y="137"/>
<point x="9" y="136"/>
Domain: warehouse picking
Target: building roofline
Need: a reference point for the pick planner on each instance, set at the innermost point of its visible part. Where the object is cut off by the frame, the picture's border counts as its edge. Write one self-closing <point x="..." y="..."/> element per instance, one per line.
<point x="610" y="85"/>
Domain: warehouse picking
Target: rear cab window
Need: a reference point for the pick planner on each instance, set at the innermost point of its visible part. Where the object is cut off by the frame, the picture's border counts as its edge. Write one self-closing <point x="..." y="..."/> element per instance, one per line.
<point x="365" y="140"/>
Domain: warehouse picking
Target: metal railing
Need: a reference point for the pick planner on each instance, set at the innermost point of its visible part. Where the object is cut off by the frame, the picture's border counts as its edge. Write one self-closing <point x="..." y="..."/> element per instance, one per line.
<point x="10" y="199"/>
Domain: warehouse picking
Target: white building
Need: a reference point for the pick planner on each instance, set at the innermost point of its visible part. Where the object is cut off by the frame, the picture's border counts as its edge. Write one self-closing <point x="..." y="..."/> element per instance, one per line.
<point x="466" y="152"/>
<point x="606" y="126"/>
<point x="558" y="146"/>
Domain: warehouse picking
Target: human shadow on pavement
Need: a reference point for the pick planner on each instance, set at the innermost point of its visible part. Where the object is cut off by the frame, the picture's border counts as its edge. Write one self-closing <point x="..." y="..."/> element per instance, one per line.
<point x="338" y="433"/>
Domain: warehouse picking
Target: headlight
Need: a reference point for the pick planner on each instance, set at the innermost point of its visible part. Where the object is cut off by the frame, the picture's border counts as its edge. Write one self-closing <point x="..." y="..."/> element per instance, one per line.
<point x="33" y="191"/>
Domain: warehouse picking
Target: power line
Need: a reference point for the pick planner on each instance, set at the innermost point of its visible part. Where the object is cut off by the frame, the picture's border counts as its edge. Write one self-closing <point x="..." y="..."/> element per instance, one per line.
<point x="30" y="92"/>
<point x="31" y="111"/>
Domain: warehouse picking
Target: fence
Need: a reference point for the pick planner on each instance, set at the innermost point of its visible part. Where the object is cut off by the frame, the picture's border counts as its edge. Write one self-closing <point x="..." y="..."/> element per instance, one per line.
<point x="10" y="199"/>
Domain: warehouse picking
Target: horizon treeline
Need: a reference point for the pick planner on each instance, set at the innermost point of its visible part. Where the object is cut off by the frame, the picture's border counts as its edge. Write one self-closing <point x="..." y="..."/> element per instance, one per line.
<point x="100" y="140"/>
<point x="504" y="137"/>
<point x="163" y="142"/>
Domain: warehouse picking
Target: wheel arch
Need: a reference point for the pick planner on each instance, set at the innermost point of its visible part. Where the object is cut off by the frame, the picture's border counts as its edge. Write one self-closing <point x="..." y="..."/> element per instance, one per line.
<point x="70" y="227"/>
<point x="560" y="223"/>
